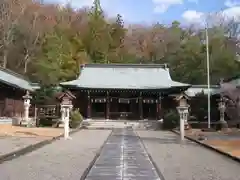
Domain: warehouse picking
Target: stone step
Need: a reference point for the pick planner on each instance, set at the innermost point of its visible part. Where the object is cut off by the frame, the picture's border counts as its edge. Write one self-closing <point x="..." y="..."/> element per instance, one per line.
<point x="6" y="121"/>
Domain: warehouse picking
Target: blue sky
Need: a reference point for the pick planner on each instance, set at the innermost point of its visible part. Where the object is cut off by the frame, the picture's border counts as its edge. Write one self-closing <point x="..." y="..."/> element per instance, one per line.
<point x="165" y="11"/>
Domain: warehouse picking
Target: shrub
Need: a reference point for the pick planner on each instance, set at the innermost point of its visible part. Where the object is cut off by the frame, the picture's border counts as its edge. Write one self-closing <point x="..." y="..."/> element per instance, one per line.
<point x="171" y="120"/>
<point x="75" y="119"/>
<point x="45" y="122"/>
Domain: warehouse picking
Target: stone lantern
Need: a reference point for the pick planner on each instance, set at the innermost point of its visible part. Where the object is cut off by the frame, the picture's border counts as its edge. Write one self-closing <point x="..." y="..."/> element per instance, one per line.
<point x="222" y="108"/>
<point x="26" y="103"/>
<point x="66" y="106"/>
<point x="183" y="108"/>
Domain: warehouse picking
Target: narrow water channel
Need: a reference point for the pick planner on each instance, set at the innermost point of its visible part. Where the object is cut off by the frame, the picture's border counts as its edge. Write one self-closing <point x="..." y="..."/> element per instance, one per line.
<point x="123" y="157"/>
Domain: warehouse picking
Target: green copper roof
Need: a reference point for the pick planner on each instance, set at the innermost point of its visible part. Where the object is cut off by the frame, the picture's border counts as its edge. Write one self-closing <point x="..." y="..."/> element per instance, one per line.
<point x="16" y="80"/>
<point x="197" y="89"/>
<point x="124" y="76"/>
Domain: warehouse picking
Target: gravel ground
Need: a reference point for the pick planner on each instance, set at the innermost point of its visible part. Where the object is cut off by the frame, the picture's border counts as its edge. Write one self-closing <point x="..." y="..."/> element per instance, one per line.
<point x="61" y="160"/>
<point x="187" y="161"/>
<point x="10" y="144"/>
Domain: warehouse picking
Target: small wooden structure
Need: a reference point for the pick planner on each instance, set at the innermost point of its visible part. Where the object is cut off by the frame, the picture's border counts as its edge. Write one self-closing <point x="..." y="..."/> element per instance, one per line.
<point x="66" y="98"/>
<point x="182" y="100"/>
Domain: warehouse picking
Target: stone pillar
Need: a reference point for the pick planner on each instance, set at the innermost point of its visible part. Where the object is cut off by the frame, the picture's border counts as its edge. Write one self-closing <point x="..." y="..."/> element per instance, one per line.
<point x="140" y="103"/>
<point x="66" y="105"/>
<point x="66" y="124"/>
<point x="27" y="105"/>
<point x="222" y="108"/>
<point x="183" y="114"/>
<point x="65" y="112"/>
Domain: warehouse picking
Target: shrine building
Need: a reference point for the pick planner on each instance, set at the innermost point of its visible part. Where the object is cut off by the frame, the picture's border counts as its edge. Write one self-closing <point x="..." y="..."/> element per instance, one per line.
<point x="13" y="87"/>
<point x="124" y="91"/>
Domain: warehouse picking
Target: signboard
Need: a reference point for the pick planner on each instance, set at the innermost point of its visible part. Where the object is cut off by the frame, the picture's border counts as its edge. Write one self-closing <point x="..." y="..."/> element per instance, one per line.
<point x="98" y="100"/>
<point x="149" y="101"/>
<point x="66" y="101"/>
<point x="123" y="100"/>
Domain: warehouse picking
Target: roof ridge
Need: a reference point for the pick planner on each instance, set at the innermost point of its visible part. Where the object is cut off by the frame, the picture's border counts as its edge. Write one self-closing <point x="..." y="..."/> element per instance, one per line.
<point x="125" y="65"/>
<point x="14" y="73"/>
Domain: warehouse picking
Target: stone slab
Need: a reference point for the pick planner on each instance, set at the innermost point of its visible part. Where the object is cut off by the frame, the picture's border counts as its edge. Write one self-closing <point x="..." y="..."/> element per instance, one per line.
<point x="123" y="157"/>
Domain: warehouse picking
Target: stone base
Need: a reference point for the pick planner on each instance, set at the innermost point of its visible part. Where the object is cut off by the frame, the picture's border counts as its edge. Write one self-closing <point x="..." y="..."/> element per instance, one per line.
<point x="30" y="123"/>
<point x="24" y="123"/>
<point x="87" y="119"/>
<point x="68" y="138"/>
<point x="187" y="126"/>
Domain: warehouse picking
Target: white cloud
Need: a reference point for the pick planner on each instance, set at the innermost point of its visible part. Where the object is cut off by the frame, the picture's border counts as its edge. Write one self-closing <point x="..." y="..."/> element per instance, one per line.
<point x="192" y="16"/>
<point x="196" y="17"/>
<point x="161" y="6"/>
<point x="232" y="3"/>
<point x="233" y="12"/>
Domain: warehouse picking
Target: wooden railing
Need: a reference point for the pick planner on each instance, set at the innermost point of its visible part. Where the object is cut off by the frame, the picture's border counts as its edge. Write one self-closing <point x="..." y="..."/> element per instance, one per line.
<point x="48" y="111"/>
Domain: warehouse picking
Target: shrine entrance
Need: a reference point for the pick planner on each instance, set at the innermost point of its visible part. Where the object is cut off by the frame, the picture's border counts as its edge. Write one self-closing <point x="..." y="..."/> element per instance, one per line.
<point x="149" y="110"/>
<point x="117" y="105"/>
<point x="98" y="107"/>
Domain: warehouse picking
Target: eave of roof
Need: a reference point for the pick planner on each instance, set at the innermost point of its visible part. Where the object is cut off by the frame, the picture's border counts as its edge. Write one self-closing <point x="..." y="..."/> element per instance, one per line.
<point x="197" y="89"/>
<point x="13" y="79"/>
<point x="125" y="76"/>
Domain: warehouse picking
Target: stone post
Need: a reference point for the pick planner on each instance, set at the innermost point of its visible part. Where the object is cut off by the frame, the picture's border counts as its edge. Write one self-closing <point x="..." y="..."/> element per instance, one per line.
<point x="27" y="98"/>
<point x="65" y="112"/>
<point x="66" y="106"/>
<point x="183" y="114"/>
<point x="222" y="108"/>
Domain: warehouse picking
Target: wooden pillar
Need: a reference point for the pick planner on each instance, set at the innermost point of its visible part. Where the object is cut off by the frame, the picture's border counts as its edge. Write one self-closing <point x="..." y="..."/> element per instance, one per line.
<point x="89" y="105"/>
<point x="107" y="106"/>
<point x="159" y="106"/>
<point x="140" y="103"/>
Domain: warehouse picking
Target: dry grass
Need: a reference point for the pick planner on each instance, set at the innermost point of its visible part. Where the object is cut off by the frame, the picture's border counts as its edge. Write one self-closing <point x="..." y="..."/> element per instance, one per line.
<point x="230" y="146"/>
<point x="9" y="130"/>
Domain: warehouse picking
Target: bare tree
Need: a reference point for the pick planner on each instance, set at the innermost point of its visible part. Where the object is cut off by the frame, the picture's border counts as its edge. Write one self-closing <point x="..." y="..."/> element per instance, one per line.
<point x="10" y="14"/>
<point x="148" y="43"/>
<point x="231" y="95"/>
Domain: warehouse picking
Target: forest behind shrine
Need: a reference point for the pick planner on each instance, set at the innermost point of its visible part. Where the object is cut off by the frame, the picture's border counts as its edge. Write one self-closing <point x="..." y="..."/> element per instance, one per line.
<point x="48" y="43"/>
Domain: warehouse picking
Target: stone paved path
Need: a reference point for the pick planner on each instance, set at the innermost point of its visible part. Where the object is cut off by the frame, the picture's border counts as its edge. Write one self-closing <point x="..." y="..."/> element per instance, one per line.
<point x="61" y="160"/>
<point x="123" y="158"/>
<point x="187" y="161"/>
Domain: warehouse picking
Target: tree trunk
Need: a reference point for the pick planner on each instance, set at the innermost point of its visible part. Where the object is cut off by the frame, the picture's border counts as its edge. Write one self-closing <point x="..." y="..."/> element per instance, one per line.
<point x="5" y="58"/>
